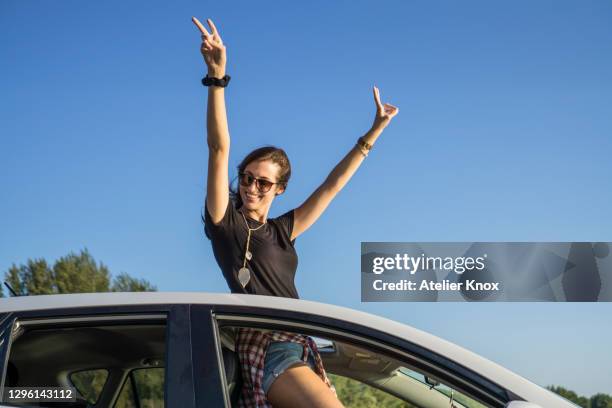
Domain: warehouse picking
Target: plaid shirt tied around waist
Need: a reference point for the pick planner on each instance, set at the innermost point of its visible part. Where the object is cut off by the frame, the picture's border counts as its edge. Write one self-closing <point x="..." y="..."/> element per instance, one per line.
<point x="251" y="346"/>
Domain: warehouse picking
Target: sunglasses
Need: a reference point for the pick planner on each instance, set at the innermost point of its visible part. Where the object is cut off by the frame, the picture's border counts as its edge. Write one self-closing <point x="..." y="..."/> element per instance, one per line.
<point x="262" y="185"/>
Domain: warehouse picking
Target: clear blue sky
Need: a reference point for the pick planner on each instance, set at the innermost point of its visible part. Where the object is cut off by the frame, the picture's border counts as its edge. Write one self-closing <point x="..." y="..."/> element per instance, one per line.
<point x="503" y="135"/>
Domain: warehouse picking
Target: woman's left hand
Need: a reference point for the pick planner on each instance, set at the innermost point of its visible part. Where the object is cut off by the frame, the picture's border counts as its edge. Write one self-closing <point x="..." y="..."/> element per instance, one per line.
<point x="384" y="112"/>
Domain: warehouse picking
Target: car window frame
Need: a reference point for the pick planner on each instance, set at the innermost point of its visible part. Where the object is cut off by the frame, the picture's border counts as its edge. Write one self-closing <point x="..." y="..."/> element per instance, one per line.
<point x="452" y="374"/>
<point x="208" y="369"/>
<point x="179" y="387"/>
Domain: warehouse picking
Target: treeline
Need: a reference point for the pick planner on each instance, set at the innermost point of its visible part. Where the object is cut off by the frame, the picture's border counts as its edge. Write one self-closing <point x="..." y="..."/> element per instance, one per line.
<point x="596" y="401"/>
<point x="73" y="273"/>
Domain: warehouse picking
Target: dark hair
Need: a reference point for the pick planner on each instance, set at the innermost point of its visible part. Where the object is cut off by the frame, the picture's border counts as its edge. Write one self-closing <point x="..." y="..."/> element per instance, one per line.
<point x="276" y="155"/>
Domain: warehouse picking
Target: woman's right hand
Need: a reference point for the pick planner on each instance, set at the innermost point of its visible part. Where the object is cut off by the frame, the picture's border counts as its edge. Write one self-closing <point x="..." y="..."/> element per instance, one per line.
<point x="212" y="49"/>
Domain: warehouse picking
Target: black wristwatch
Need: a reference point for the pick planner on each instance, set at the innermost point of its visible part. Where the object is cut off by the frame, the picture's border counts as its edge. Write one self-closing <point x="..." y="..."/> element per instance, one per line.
<point x="222" y="82"/>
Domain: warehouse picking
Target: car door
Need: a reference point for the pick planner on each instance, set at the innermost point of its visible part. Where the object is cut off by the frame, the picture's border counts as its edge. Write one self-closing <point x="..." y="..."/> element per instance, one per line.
<point x="451" y="383"/>
<point x="115" y="357"/>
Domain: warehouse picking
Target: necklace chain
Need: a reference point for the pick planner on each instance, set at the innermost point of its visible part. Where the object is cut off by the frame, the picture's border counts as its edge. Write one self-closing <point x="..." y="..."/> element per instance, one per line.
<point x="247" y="254"/>
<point x="247" y="224"/>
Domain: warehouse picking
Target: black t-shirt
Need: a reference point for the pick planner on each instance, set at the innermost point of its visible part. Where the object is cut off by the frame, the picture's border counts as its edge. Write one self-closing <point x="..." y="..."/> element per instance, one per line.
<point x="274" y="261"/>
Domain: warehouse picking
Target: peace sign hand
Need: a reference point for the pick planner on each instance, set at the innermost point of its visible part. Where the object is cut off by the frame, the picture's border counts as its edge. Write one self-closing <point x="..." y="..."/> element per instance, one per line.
<point x="212" y="49"/>
<point x="384" y="113"/>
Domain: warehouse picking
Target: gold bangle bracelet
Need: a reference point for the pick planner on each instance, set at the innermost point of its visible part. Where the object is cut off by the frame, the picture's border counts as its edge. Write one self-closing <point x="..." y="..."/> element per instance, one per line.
<point x="364" y="144"/>
<point x="361" y="150"/>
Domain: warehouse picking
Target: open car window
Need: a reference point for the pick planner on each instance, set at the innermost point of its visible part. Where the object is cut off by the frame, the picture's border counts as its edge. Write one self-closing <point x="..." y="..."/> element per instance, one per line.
<point x="363" y="376"/>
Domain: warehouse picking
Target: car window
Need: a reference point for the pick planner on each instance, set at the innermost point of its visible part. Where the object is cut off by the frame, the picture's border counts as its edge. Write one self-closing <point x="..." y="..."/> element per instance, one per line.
<point x="89" y="383"/>
<point x="94" y="354"/>
<point x="150" y="387"/>
<point x="361" y="376"/>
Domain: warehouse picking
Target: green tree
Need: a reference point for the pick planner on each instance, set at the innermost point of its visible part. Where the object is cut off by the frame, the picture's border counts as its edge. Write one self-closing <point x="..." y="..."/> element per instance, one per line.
<point x="33" y="278"/>
<point x="570" y="396"/>
<point x="89" y="383"/>
<point x="125" y="283"/>
<point x="601" y="401"/>
<point x="80" y="274"/>
<point x="73" y="273"/>
<point x="355" y="394"/>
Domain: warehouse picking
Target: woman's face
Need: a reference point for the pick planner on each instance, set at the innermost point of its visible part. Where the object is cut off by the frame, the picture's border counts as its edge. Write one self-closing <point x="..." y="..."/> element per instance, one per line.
<point x="252" y="197"/>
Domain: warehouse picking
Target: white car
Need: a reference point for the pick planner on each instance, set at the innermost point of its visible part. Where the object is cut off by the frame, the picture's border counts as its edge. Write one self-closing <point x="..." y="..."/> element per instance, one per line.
<point x="177" y="350"/>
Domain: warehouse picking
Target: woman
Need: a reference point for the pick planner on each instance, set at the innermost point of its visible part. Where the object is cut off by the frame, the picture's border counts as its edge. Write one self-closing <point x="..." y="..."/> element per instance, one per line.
<point x="256" y="253"/>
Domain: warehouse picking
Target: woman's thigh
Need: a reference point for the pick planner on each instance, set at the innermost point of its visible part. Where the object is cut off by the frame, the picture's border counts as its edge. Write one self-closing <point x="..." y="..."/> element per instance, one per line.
<point x="298" y="387"/>
<point x="279" y="357"/>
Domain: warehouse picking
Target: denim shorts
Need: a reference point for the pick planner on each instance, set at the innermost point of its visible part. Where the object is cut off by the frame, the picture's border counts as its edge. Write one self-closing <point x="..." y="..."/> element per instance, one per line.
<point x="279" y="357"/>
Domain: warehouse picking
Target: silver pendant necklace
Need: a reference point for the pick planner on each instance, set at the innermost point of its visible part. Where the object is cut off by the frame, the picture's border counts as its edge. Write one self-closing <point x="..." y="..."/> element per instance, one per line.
<point x="244" y="275"/>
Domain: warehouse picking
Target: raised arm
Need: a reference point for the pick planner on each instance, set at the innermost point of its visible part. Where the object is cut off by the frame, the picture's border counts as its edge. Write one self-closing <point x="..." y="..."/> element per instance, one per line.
<point x="217" y="184"/>
<point x="307" y="213"/>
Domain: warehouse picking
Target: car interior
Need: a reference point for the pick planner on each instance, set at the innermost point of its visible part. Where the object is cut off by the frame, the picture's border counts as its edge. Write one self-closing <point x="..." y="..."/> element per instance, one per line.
<point x="367" y="368"/>
<point x="91" y="359"/>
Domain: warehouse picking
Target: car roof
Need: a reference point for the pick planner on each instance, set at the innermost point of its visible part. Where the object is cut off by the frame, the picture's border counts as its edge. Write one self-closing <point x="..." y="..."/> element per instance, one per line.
<point x="487" y="368"/>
